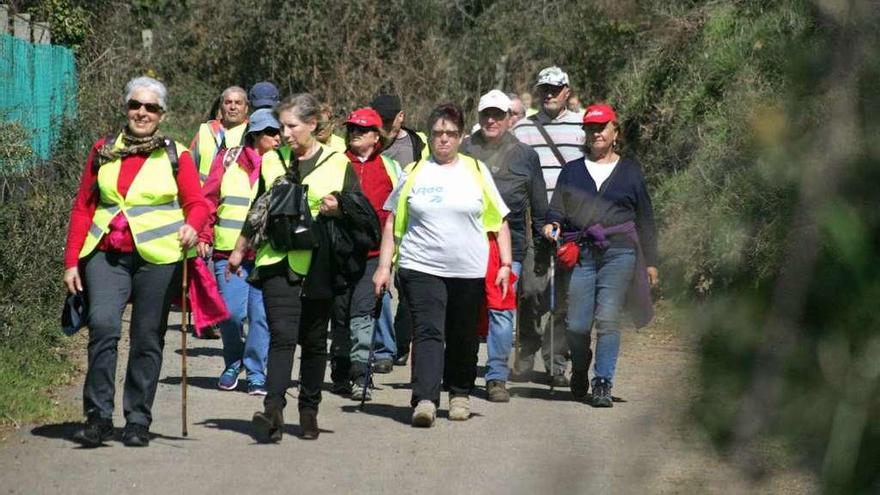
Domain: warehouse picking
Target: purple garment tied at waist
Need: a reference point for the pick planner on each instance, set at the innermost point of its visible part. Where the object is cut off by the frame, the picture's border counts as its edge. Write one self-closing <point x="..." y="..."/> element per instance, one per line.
<point x="638" y="295"/>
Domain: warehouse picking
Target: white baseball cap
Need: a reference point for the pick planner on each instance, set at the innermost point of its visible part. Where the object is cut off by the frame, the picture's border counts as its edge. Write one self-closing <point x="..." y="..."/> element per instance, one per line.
<point x="494" y="99"/>
<point x="554" y="76"/>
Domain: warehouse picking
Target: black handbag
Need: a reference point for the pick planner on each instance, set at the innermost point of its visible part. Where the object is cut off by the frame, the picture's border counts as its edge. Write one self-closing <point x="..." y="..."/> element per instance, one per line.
<point x="289" y="220"/>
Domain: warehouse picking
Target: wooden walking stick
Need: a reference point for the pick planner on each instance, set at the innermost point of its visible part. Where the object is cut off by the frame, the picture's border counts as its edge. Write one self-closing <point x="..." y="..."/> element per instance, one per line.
<point x="183" y="328"/>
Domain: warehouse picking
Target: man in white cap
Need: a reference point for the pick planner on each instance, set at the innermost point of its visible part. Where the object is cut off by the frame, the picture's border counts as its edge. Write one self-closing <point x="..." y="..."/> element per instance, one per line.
<point x="556" y="134"/>
<point x="517" y="173"/>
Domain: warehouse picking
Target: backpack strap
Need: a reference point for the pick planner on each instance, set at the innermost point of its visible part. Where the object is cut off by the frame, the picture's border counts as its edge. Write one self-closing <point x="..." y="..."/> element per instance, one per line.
<point x="548" y="139"/>
<point x="171" y="149"/>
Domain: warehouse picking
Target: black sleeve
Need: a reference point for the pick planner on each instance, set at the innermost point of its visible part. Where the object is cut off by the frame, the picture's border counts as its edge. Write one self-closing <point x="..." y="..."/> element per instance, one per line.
<point x="351" y="183"/>
<point x="556" y="212"/>
<point x="645" y="224"/>
<point x="537" y="193"/>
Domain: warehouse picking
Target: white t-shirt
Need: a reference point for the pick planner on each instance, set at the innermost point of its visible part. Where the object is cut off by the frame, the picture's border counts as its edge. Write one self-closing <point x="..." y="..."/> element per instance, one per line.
<point x="444" y="234"/>
<point x="600" y="171"/>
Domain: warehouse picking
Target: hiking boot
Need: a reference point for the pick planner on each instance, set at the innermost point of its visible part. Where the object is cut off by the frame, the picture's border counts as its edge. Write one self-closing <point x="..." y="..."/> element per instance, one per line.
<point x="424" y="414"/>
<point x="358" y="392"/>
<point x="459" y="408"/>
<point x="210" y="333"/>
<point x="135" y="435"/>
<point x="580" y="385"/>
<point x="496" y="391"/>
<point x="383" y="366"/>
<point x="402" y="359"/>
<point x="258" y="389"/>
<point x="341" y="388"/>
<point x="308" y="421"/>
<point x="268" y="425"/>
<point x="558" y="380"/>
<point x="229" y="378"/>
<point x="602" y="393"/>
<point x="522" y="369"/>
<point x="94" y="432"/>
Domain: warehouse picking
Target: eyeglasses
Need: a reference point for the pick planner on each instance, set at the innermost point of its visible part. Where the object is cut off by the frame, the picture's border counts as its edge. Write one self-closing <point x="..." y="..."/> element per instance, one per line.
<point x="449" y="134"/>
<point x="593" y="128"/>
<point x="151" y="107"/>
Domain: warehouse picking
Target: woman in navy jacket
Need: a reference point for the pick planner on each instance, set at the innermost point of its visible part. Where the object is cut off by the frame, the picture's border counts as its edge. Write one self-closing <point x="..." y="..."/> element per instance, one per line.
<point x="602" y="205"/>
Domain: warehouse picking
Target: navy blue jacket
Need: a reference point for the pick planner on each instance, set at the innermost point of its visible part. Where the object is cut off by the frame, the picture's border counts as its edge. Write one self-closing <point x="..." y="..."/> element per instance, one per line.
<point x="624" y="198"/>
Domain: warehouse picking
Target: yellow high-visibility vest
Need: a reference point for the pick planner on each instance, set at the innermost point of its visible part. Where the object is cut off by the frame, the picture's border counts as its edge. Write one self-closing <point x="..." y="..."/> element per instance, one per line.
<point x="151" y="207"/>
<point x="210" y="141"/>
<point x="327" y="177"/>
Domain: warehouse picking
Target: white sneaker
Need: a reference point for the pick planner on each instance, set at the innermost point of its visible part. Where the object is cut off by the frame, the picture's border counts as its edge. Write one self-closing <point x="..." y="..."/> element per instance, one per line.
<point x="459" y="408"/>
<point x="424" y="414"/>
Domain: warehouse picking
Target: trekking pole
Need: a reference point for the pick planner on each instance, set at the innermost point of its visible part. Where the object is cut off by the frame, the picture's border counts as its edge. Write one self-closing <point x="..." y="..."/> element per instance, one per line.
<point x="183" y="328"/>
<point x="552" y="273"/>
<point x="377" y="313"/>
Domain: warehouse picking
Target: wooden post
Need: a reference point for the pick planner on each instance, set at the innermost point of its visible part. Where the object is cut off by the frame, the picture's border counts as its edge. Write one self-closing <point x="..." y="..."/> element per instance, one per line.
<point x="21" y="27"/>
<point x="4" y="19"/>
<point x="42" y="34"/>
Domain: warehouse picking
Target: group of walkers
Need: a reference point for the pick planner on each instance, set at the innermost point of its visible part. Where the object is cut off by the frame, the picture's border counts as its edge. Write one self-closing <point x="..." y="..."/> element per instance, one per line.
<point x="536" y="223"/>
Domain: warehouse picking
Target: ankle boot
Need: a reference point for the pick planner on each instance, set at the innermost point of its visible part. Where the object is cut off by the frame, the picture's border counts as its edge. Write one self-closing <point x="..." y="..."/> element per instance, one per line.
<point x="269" y="425"/>
<point x="308" y="421"/>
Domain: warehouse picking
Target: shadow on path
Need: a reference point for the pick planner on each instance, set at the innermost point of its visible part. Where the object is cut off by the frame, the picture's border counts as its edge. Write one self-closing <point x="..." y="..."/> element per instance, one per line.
<point x="202" y="352"/>
<point x="65" y="431"/>
<point x="243" y="426"/>
<point x="401" y="414"/>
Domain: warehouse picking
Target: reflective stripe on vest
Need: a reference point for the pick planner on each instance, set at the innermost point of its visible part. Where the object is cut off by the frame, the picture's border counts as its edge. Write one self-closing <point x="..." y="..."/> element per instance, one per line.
<point x="327" y="177"/>
<point x="491" y="215"/>
<point x="209" y="143"/>
<point x="392" y="169"/>
<point x="236" y="195"/>
<point x="150" y="206"/>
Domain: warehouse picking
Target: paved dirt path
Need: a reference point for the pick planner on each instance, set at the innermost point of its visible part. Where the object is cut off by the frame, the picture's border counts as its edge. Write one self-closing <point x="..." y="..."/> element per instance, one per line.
<point x="537" y="443"/>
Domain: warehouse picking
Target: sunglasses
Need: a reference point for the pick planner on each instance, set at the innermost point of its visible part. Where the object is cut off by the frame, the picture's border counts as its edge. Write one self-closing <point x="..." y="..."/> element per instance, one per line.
<point x="449" y="134"/>
<point x="270" y="131"/>
<point x="549" y="90"/>
<point x="358" y="129"/>
<point x="593" y="128"/>
<point x="151" y="107"/>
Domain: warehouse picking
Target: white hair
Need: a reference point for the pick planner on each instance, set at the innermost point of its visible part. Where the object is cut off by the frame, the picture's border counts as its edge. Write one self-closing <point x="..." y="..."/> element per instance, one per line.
<point x="235" y="89"/>
<point x="150" y="84"/>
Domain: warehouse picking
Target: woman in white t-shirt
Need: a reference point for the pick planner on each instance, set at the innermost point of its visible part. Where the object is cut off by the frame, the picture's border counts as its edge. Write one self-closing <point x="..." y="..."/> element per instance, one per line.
<point x="441" y="212"/>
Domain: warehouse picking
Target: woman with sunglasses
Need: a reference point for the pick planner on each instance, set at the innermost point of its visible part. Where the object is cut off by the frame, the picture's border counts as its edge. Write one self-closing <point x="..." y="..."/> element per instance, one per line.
<point x="601" y="205"/>
<point x="139" y="206"/>
<point x="441" y="212"/>
<point x="353" y="311"/>
<point x="230" y="189"/>
<point x="297" y="299"/>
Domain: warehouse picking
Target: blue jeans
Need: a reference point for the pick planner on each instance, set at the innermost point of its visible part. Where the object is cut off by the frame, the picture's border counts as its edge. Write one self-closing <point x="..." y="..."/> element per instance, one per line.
<point x="243" y="301"/>
<point x="386" y="345"/>
<point x="596" y="293"/>
<point x="499" y="342"/>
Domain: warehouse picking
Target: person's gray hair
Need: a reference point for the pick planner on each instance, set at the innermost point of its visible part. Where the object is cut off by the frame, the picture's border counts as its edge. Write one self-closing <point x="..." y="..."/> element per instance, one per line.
<point x="305" y="106"/>
<point x="150" y="84"/>
<point x="235" y="89"/>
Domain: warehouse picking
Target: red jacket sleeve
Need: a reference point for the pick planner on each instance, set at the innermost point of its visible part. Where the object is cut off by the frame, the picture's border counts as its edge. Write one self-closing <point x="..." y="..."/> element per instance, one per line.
<point x="84" y="206"/>
<point x="189" y="192"/>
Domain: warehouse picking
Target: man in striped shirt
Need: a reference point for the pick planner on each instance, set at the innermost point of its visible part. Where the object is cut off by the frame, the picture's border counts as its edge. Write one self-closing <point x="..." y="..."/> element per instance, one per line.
<point x="555" y="133"/>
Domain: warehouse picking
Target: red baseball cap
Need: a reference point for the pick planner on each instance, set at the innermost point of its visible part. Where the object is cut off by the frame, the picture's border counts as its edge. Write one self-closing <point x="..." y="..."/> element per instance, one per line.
<point x="365" y="117"/>
<point x="599" y="114"/>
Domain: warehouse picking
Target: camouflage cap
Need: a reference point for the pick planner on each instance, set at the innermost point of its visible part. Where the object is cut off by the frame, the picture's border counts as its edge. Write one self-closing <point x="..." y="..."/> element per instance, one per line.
<point x="553" y="76"/>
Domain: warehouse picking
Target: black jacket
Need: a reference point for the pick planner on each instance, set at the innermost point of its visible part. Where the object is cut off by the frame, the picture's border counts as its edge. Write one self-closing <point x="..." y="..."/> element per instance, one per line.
<point x="343" y="243"/>
<point x="516" y="170"/>
<point x="417" y="144"/>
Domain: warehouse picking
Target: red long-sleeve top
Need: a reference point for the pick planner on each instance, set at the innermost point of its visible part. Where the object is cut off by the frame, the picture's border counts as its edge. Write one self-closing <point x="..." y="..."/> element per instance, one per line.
<point x="375" y="184"/>
<point x="119" y="238"/>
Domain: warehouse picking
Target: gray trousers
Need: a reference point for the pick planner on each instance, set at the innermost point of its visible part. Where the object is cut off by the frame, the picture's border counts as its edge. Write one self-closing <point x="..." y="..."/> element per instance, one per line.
<point x="534" y="315"/>
<point x="111" y="280"/>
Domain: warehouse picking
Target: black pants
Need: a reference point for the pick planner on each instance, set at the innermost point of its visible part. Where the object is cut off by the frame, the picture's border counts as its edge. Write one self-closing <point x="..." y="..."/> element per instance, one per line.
<point x="294" y="320"/>
<point x="402" y="321"/>
<point x="111" y="280"/>
<point x="443" y="309"/>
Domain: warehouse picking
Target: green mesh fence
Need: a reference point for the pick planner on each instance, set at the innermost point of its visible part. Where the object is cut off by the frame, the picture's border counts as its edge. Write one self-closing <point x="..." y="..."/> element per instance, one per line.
<point x="37" y="93"/>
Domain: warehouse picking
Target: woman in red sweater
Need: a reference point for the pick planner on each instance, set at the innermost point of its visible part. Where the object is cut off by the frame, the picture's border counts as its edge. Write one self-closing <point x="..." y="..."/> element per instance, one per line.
<point x="139" y="206"/>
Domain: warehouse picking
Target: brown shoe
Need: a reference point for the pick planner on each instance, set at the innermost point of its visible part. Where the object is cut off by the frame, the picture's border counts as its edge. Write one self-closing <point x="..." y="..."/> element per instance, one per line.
<point x="496" y="391"/>
<point x="308" y="421"/>
<point x="268" y="425"/>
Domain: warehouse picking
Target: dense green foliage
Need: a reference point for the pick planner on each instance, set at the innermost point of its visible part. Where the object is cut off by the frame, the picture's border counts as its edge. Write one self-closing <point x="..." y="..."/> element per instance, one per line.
<point x="755" y="122"/>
